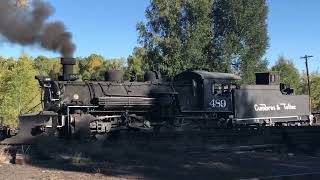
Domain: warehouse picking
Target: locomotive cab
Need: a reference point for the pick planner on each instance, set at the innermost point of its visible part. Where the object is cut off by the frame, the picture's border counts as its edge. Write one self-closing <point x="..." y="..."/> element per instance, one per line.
<point x="205" y="91"/>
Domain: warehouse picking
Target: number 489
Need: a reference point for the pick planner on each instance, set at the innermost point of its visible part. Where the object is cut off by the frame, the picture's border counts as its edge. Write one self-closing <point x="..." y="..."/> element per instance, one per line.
<point x="218" y="103"/>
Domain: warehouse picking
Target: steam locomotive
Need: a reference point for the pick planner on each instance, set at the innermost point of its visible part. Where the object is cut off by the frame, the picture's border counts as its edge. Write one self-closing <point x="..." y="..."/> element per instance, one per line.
<point x="191" y="100"/>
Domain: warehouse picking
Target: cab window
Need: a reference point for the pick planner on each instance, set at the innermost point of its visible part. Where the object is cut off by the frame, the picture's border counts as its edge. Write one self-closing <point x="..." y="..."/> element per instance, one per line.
<point x="220" y="88"/>
<point x="216" y="88"/>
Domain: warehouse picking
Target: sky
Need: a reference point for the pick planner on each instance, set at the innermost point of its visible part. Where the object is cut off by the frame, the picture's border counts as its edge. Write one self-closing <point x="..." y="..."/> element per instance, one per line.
<point x="108" y="27"/>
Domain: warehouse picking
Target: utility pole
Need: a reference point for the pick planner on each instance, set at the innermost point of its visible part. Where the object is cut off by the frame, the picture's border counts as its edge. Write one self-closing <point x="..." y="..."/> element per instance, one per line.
<point x="306" y="58"/>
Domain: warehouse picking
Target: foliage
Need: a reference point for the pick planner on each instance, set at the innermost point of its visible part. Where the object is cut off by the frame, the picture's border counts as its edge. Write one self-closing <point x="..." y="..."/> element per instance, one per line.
<point x="178" y="35"/>
<point x="19" y="91"/>
<point x="89" y="67"/>
<point x="220" y="35"/>
<point x="18" y="88"/>
<point x="136" y="64"/>
<point x="314" y="85"/>
<point x="289" y="74"/>
<point x="315" y="93"/>
<point x="94" y="66"/>
<point x="114" y="64"/>
<point x="240" y="35"/>
<point x="47" y="66"/>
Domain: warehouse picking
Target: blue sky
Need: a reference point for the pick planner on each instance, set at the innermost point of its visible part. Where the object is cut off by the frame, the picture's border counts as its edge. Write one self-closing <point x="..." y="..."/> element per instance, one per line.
<point x="294" y="30"/>
<point x="108" y="27"/>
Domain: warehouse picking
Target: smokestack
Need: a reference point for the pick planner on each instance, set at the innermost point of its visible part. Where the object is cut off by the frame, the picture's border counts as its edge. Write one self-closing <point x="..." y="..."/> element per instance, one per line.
<point x="67" y="67"/>
<point x="27" y="25"/>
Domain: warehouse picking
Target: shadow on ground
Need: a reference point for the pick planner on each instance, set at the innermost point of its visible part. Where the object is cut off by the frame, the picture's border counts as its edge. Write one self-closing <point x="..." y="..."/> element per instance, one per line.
<point x="164" y="160"/>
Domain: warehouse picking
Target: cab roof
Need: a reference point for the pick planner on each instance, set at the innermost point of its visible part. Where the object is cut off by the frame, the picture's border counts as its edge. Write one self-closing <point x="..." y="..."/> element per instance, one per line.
<point x="208" y="75"/>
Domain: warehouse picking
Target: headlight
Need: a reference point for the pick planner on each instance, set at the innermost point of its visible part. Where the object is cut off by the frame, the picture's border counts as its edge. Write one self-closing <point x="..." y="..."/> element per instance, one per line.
<point x="47" y="79"/>
<point x="75" y="96"/>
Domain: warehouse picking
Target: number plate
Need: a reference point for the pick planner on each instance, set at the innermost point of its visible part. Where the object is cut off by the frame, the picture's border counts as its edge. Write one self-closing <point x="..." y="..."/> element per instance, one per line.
<point x="218" y="103"/>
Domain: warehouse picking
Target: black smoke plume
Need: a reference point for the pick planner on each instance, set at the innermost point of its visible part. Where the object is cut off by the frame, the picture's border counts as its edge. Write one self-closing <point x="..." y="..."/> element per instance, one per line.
<point x="29" y="26"/>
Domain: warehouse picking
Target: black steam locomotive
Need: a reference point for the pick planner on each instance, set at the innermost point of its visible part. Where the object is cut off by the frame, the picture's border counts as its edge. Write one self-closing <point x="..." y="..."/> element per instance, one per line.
<point x="191" y="100"/>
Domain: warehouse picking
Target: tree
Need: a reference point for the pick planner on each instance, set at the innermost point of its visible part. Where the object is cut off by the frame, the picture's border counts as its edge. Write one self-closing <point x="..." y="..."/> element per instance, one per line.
<point x="56" y="68"/>
<point x="315" y="93"/>
<point x="50" y="67"/>
<point x="136" y="63"/>
<point x="94" y="66"/>
<point x="4" y="70"/>
<point x="288" y="72"/>
<point x="240" y="35"/>
<point x="178" y="35"/>
<point x="82" y="69"/>
<point x="18" y="89"/>
<point x="110" y="64"/>
<point x="315" y="86"/>
<point x="41" y="64"/>
<point x="220" y="35"/>
<point x="94" y="62"/>
<point x="89" y="67"/>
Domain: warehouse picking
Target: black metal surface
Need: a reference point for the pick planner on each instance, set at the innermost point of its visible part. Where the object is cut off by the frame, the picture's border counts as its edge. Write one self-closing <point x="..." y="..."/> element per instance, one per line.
<point x="197" y="98"/>
<point x="114" y="76"/>
<point x="150" y="76"/>
<point x="257" y="102"/>
<point x="207" y="75"/>
<point x="267" y="78"/>
<point x="26" y="125"/>
<point x="67" y="67"/>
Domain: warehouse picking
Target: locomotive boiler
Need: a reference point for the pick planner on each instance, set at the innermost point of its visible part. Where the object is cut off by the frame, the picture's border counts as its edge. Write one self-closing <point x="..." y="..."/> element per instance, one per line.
<point x="192" y="100"/>
<point x="98" y="107"/>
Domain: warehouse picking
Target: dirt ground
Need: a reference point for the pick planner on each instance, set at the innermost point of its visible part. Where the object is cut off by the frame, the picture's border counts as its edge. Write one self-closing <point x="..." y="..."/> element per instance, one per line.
<point x="19" y="172"/>
<point x="122" y="162"/>
<point x="131" y="158"/>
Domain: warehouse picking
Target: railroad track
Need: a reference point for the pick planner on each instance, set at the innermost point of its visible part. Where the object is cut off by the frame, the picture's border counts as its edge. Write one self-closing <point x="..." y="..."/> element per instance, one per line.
<point x="297" y="139"/>
<point x="245" y="137"/>
<point x="264" y="135"/>
<point x="194" y="143"/>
